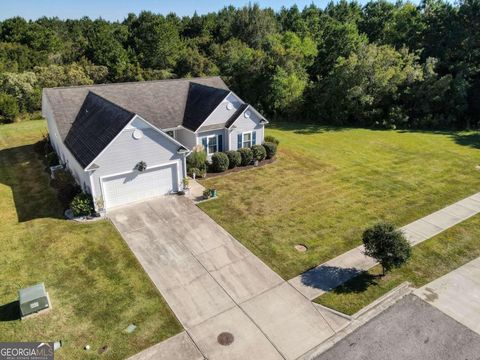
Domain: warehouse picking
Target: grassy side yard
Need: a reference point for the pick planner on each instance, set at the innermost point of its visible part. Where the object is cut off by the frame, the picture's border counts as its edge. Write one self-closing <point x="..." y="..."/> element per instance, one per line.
<point x="430" y="260"/>
<point x="327" y="185"/>
<point x="96" y="286"/>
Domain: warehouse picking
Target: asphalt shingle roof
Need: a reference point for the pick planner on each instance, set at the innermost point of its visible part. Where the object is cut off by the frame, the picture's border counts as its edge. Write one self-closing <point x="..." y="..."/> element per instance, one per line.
<point x="95" y="126"/>
<point x="161" y="102"/>
<point x="202" y="100"/>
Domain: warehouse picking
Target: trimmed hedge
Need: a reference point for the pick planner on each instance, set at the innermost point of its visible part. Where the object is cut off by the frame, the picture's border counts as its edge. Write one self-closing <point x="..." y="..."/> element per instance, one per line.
<point x="270" y="149"/>
<point x="220" y="162"/>
<point x="259" y="152"/>
<point x="82" y="205"/>
<point x="246" y="155"/>
<point x="272" y="139"/>
<point x="234" y="158"/>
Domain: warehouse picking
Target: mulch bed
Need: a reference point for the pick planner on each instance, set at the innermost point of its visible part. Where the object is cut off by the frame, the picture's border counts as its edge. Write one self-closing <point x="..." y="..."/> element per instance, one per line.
<point x="241" y="168"/>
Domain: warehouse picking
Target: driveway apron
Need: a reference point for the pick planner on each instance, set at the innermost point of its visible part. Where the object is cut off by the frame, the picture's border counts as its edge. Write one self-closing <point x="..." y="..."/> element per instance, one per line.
<point x="214" y="284"/>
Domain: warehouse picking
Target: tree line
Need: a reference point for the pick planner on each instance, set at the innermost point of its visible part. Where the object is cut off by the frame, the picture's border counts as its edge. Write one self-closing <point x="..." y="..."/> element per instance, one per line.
<point x="379" y="65"/>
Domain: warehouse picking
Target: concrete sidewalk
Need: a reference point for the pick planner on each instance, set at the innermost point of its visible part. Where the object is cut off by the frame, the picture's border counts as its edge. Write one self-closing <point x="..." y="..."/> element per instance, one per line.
<point x="335" y="272"/>
<point x="457" y="294"/>
<point x="178" y="347"/>
<point x="214" y="284"/>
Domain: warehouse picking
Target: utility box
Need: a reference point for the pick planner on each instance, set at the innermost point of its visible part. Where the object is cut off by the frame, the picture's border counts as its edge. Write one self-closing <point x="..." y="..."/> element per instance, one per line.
<point x="33" y="299"/>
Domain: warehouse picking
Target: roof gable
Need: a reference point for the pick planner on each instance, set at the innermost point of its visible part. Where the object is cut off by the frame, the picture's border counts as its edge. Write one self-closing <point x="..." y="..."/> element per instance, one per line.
<point x="95" y="126"/>
<point x="201" y="102"/>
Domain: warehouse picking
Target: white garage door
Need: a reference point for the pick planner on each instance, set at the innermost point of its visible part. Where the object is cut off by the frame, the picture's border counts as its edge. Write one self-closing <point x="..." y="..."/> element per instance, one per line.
<point x="137" y="186"/>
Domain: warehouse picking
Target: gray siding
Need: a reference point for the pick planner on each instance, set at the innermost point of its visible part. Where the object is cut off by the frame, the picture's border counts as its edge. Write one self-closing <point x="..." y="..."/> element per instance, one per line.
<point x="221" y="114"/>
<point x="244" y="124"/>
<point x="125" y="152"/>
<point x="186" y="137"/>
<point x="66" y="157"/>
<point x="222" y="132"/>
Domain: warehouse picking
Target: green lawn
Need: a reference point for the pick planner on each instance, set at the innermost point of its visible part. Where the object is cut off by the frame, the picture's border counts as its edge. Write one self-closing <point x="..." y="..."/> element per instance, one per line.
<point x="96" y="286"/>
<point x="329" y="184"/>
<point x="430" y="260"/>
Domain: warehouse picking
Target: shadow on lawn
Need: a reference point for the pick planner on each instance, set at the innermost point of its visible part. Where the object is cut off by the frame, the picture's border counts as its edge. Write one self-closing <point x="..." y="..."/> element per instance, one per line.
<point x="10" y="311"/>
<point x="23" y="172"/>
<point x="468" y="139"/>
<point x="306" y="129"/>
<point x="327" y="278"/>
<point x="358" y="284"/>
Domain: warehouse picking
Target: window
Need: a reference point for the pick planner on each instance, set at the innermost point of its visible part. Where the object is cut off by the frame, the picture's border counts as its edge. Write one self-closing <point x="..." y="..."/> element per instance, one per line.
<point x="247" y="140"/>
<point x="211" y="144"/>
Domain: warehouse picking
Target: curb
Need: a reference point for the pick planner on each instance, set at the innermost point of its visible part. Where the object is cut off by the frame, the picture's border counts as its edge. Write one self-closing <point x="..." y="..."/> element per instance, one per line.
<point x="360" y="318"/>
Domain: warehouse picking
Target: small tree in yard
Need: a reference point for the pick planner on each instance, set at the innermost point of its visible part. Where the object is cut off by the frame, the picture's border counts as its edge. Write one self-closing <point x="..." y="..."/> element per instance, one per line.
<point x="387" y="245"/>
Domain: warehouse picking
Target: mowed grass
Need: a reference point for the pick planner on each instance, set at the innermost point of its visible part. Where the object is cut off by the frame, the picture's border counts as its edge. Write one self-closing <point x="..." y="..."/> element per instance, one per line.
<point x="430" y="260"/>
<point x="96" y="286"/>
<point x="328" y="184"/>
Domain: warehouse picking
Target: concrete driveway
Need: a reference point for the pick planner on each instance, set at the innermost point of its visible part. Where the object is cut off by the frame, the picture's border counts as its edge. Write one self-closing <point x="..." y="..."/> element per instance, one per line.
<point x="214" y="284"/>
<point x="457" y="294"/>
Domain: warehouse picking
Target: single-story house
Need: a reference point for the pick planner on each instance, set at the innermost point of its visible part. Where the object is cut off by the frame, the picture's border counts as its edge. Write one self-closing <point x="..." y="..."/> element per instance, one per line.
<point x="106" y="134"/>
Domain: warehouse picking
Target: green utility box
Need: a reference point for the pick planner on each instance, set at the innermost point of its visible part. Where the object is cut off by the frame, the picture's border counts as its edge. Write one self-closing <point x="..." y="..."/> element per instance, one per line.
<point x="33" y="299"/>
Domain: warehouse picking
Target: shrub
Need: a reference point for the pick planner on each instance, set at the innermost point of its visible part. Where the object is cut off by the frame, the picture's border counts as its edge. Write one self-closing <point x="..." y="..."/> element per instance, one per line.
<point x="197" y="159"/>
<point x="246" y="155"/>
<point x="272" y="139"/>
<point x="202" y="173"/>
<point x="259" y="152"/>
<point x="270" y="149"/>
<point x="234" y="159"/>
<point x="52" y="159"/>
<point x="8" y="108"/>
<point x="82" y="204"/>
<point x="220" y="162"/>
<point x="387" y="245"/>
<point x="192" y="171"/>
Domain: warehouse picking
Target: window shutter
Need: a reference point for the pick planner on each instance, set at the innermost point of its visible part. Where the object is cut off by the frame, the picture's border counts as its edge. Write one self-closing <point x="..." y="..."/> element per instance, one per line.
<point x="204" y="143"/>
<point x="220" y="142"/>
<point x="254" y="137"/>
<point x="239" y="137"/>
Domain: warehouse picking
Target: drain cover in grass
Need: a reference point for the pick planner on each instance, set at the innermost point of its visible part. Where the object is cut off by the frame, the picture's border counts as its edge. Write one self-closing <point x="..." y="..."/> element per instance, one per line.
<point x="301" y="248"/>
<point x="130" y="328"/>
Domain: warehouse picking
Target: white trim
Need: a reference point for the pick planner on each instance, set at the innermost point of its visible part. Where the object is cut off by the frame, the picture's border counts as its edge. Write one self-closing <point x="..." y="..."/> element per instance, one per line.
<point x="249" y="107"/>
<point x="121" y="131"/>
<point x="172" y="128"/>
<point x="108" y="145"/>
<point x="183" y="127"/>
<point x="101" y="178"/>
<point x="251" y="138"/>
<point x="216" y="107"/>
<point x="216" y="143"/>
<point x="164" y="134"/>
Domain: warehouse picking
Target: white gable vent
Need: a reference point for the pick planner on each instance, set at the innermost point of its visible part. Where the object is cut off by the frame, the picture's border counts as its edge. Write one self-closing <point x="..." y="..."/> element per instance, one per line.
<point x="229" y="106"/>
<point x="137" y="134"/>
<point x="247" y="114"/>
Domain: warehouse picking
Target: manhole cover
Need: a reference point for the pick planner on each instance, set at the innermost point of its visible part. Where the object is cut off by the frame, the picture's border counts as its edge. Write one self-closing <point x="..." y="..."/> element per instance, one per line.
<point x="225" y="338"/>
<point x="301" y="248"/>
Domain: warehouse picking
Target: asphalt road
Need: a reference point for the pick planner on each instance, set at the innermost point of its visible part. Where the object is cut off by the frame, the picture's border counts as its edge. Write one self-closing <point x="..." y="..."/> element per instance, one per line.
<point x="410" y="329"/>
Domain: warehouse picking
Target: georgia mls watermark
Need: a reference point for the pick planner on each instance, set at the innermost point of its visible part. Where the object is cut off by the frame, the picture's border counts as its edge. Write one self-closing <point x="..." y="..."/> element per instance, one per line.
<point x="26" y="351"/>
